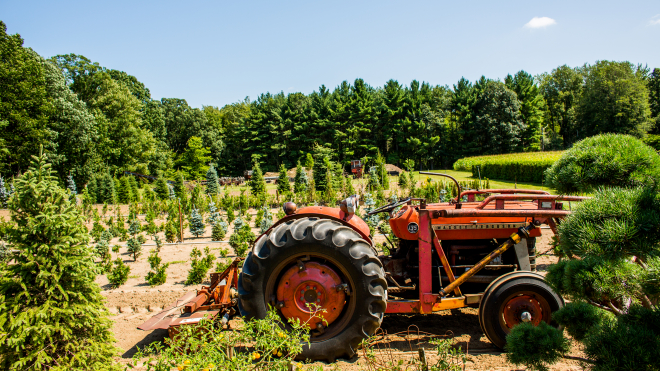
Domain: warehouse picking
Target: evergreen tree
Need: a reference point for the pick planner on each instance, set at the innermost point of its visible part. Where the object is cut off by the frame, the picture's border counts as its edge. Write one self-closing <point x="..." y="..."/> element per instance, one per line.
<point x="179" y="187"/>
<point x="257" y="182"/>
<point x="403" y="180"/>
<point x="531" y="108"/>
<point x="71" y="186"/>
<point x="134" y="247"/>
<point x="106" y="190"/>
<point x="172" y="194"/>
<point x="134" y="227"/>
<point x="92" y="190"/>
<point x="214" y="215"/>
<point x="124" y="190"/>
<point x="309" y="161"/>
<point x="218" y="232"/>
<point x="211" y="181"/>
<point x="161" y="188"/>
<point x="301" y="181"/>
<point x="283" y="186"/>
<point x="52" y="312"/>
<point x="381" y="171"/>
<point x="197" y="226"/>
<point x="157" y="275"/>
<point x="134" y="188"/>
<point x="4" y="195"/>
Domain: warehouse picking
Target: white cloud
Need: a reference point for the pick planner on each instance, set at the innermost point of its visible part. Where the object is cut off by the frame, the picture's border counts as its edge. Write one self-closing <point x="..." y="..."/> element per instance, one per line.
<point x="540" y="22"/>
<point x="655" y="21"/>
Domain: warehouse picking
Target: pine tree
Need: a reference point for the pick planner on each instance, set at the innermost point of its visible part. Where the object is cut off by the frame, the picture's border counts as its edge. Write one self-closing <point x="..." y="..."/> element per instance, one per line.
<point x="52" y="312"/>
<point x="106" y="190"/>
<point x="381" y="171"/>
<point x="123" y="190"/>
<point x="211" y="181"/>
<point x="283" y="186"/>
<point x="157" y="275"/>
<point x="214" y="215"/>
<point x="309" y="161"/>
<point x="197" y="226"/>
<point x="92" y="190"/>
<point x="301" y="181"/>
<point x="134" y="227"/>
<point x="257" y="182"/>
<point x="4" y="195"/>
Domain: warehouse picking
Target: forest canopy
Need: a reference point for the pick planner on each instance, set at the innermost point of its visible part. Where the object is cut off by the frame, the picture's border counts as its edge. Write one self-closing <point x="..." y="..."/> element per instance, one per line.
<point x="94" y="119"/>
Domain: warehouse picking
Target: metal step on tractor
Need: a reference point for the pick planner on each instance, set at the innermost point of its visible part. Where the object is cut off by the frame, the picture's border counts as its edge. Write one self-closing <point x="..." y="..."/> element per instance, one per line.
<point x="318" y="264"/>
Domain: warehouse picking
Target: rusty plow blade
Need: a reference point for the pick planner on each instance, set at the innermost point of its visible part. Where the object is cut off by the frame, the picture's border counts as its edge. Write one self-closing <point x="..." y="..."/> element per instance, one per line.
<point x="210" y="302"/>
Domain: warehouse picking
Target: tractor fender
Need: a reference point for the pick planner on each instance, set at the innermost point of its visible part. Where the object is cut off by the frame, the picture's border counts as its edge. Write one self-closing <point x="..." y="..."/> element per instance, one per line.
<point x="332" y="213"/>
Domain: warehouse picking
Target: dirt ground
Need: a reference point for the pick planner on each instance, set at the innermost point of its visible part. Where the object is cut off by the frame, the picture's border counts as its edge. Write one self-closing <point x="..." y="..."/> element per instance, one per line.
<point x="135" y="302"/>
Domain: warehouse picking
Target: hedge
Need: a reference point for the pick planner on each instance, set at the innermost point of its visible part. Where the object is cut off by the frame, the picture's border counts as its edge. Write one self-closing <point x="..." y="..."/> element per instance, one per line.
<point x="521" y="167"/>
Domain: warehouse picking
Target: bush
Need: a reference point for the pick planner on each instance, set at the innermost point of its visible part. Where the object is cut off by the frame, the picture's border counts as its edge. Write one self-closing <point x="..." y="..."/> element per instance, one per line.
<point x="217" y="233"/>
<point x="199" y="266"/>
<point x="535" y="346"/>
<point x="262" y="344"/>
<point x="521" y="167"/>
<point x="134" y="247"/>
<point x="119" y="273"/>
<point x="157" y="275"/>
<point x="604" y="160"/>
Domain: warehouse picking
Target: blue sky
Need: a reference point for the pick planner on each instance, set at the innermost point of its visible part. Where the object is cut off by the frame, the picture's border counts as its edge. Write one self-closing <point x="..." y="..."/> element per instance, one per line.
<point x="219" y="52"/>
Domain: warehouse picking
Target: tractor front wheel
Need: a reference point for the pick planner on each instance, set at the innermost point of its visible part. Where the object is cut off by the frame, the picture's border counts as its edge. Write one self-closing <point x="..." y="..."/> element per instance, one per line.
<point x="515" y="298"/>
<point x="322" y="273"/>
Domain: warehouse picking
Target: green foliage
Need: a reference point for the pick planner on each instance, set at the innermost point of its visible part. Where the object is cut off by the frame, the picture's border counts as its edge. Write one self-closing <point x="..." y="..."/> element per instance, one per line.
<point x="257" y="183"/>
<point x="134" y="247"/>
<point x="536" y="347"/>
<point x="212" y="181"/>
<point x="283" y="186"/>
<point x="273" y="345"/>
<point x="521" y="167"/>
<point x="616" y="223"/>
<point x="195" y="159"/>
<point x="134" y="227"/>
<point x="580" y="318"/>
<point x="157" y="275"/>
<point x="218" y="232"/>
<point x="51" y="311"/>
<point x="171" y="232"/>
<point x="199" y="265"/>
<point x="119" y="273"/>
<point x="266" y="221"/>
<point x="301" y="181"/>
<point x="309" y="161"/>
<point x="604" y="160"/>
<point x="161" y="188"/>
<point x="197" y="226"/>
<point x="630" y="343"/>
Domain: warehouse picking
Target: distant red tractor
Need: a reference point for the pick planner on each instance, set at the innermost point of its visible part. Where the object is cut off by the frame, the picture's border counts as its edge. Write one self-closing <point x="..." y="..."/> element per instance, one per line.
<point x="356" y="168"/>
<point x="449" y="255"/>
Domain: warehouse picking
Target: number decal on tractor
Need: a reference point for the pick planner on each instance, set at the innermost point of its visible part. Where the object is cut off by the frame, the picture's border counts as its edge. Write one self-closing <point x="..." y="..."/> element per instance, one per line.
<point x="413" y="228"/>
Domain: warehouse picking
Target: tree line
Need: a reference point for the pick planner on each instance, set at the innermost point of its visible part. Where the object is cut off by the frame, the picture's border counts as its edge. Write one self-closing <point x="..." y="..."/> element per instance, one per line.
<point x="92" y="119"/>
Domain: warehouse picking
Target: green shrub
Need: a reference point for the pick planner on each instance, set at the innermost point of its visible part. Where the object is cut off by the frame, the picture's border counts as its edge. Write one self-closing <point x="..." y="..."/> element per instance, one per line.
<point x="630" y="343"/>
<point x="157" y="275"/>
<point x="199" y="266"/>
<point x="217" y="233"/>
<point x="134" y="247"/>
<point x="521" y="167"/>
<point x="604" y="160"/>
<point x="119" y="273"/>
<point x="535" y="346"/>
<point x="261" y="344"/>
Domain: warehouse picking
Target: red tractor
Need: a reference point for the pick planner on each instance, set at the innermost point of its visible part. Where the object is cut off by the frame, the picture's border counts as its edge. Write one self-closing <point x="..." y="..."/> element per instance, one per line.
<point x="449" y="255"/>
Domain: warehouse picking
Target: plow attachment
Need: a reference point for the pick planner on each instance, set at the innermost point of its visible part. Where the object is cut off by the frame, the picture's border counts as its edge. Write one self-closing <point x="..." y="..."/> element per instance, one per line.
<point x="211" y="302"/>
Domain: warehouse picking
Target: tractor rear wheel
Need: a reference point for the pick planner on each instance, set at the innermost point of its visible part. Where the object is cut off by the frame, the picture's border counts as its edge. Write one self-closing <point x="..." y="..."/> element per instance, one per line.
<point x="323" y="273"/>
<point x="514" y="298"/>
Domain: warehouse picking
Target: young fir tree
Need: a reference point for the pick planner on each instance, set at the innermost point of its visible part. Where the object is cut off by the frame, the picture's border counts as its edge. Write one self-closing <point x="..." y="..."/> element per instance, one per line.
<point x="127" y="194"/>
<point x="283" y="186"/>
<point x="92" y="190"/>
<point x="257" y="183"/>
<point x="157" y="275"/>
<point x="197" y="226"/>
<point x="218" y="232"/>
<point x="172" y="194"/>
<point x="301" y="181"/>
<point x="309" y="161"/>
<point x="51" y="311"/>
<point x="214" y="215"/>
<point x="381" y="171"/>
<point x="212" y="186"/>
<point x="4" y="195"/>
<point x="329" y="189"/>
<point x="106" y="190"/>
<point x="266" y="220"/>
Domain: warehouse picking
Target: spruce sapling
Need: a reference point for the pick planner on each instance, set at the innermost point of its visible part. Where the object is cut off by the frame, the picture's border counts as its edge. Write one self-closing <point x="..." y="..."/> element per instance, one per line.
<point x="212" y="181"/>
<point x="197" y="226"/>
<point x="71" y="186"/>
<point x="54" y="269"/>
<point x="157" y="275"/>
<point x="119" y="273"/>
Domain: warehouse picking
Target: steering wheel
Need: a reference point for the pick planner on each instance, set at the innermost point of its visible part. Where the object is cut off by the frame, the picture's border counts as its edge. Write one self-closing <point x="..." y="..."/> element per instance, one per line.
<point x="388" y="208"/>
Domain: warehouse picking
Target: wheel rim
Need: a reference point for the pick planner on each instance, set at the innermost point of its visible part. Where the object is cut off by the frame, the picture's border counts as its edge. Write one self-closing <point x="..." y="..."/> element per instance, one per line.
<point x="332" y="321"/>
<point x="524" y="307"/>
<point x="314" y="291"/>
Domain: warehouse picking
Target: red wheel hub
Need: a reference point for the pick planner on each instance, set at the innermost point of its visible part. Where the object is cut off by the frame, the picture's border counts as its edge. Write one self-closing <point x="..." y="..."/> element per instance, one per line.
<point x="311" y="294"/>
<point x="520" y="308"/>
